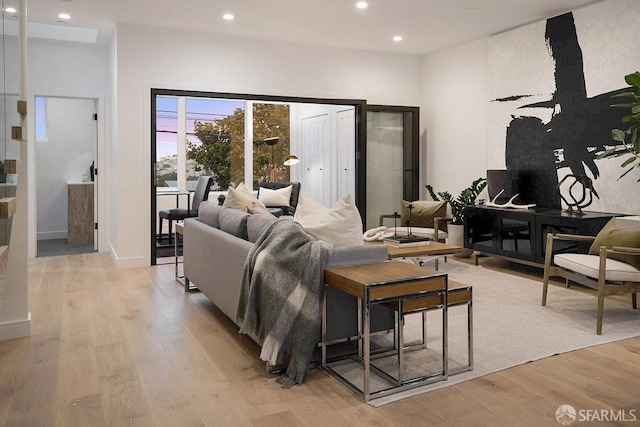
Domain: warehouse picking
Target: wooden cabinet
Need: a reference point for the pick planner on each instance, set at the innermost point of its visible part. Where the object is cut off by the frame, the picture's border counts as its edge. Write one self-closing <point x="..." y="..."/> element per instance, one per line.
<point x="80" y="213"/>
<point x="520" y="235"/>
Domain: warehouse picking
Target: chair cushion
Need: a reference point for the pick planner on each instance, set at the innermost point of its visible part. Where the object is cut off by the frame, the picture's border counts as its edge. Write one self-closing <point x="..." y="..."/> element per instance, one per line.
<point x="423" y="213"/>
<point x="611" y="236"/>
<point x="588" y="265"/>
<point x="177" y="213"/>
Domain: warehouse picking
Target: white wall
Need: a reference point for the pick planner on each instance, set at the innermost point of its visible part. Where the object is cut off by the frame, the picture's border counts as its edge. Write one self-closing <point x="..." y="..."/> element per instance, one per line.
<point x="148" y="57"/>
<point x="454" y="117"/>
<point x="64" y="157"/>
<point x="455" y="104"/>
<point x="449" y="86"/>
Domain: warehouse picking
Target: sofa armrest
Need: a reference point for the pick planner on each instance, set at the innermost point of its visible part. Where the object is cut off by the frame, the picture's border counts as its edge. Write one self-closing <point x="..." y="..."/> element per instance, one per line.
<point x="353" y="255"/>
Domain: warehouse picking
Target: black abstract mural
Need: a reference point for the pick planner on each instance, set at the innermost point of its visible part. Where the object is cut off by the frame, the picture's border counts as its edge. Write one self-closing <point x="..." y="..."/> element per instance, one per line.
<point x="580" y="126"/>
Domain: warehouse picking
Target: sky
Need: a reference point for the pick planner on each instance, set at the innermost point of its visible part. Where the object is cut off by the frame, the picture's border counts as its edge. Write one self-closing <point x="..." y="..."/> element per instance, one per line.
<point x="197" y="109"/>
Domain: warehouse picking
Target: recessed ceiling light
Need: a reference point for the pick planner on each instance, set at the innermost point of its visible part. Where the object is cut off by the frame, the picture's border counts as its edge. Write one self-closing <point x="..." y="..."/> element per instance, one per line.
<point x="64" y="16"/>
<point x="11" y="10"/>
<point x="362" y="5"/>
<point x="228" y="17"/>
<point x="397" y="38"/>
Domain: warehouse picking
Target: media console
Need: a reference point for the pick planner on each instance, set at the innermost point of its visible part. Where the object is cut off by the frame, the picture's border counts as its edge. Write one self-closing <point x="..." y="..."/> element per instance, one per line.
<point x="520" y="234"/>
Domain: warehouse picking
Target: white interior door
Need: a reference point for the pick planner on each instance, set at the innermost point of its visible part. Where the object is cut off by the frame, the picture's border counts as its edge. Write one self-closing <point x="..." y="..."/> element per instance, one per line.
<point x="346" y="151"/>
<point x="316" y="144"/>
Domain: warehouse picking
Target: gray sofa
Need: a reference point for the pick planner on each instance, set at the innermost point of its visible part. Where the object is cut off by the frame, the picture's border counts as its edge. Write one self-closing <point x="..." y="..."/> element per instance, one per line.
<point x="217" y="242"/>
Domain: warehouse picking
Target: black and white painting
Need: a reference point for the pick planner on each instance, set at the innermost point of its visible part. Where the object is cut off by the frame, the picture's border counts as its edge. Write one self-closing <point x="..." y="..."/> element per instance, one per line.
<point x="550" y="89"/>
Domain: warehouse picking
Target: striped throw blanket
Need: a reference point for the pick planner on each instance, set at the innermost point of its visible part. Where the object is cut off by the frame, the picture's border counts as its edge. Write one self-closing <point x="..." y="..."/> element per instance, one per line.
<point x="281" y="296"/>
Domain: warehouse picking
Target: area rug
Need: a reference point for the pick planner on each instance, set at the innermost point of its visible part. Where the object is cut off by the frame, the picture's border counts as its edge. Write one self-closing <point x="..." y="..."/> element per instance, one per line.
<point x="510" y="327"/>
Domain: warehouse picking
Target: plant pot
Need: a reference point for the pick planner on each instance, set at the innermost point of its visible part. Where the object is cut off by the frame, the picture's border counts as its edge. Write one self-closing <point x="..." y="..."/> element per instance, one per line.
<point x="455" y="234"/>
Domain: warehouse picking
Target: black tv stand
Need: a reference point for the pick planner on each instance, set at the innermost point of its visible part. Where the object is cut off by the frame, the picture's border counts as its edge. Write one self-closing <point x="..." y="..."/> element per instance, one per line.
<point x="520" y="234"/>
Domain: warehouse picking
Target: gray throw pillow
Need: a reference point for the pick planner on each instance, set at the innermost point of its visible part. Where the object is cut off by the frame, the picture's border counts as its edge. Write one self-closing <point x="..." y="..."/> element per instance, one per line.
<point x="208" y="213"/>
<point x="234" y="222"/>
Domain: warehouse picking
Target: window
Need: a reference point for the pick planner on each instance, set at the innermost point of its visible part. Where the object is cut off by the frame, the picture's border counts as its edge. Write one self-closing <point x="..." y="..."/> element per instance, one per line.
<point x="215" y="141"/>
<point x="207" y="136"/>
<point x="166" y="142"/>
<point x="271" y="142"/>
<point x="253" y="136"/>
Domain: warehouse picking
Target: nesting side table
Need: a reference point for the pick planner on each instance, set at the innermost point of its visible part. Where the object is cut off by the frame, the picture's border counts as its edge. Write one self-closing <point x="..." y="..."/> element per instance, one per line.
<point x="384" y="283"/>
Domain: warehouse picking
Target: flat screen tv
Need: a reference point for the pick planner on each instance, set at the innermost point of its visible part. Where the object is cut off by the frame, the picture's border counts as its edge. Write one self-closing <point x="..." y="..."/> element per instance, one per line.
<point x="501" y="179"/>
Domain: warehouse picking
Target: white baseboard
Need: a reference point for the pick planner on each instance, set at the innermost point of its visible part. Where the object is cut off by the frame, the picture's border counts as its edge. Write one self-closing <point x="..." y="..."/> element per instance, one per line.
<point x="16" y="329"/>
<point x="52" y="235"/>
<point x="130" y="262"/>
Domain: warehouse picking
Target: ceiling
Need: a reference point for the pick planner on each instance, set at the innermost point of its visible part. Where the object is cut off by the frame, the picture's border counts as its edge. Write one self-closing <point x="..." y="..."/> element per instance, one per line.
<point x="426" y="26"/>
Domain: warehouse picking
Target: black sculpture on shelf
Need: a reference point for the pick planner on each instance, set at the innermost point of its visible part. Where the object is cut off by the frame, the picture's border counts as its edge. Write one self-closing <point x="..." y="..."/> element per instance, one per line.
<point x="586" y="197"/>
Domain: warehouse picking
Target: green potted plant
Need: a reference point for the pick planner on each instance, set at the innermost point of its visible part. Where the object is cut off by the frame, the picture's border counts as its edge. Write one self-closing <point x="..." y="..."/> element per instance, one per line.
<point x="630" y="149"/>
<point x="468" y="197"/>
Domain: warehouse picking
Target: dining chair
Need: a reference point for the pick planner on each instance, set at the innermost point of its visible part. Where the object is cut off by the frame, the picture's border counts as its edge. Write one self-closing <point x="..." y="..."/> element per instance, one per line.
<point x="200" y="194"/>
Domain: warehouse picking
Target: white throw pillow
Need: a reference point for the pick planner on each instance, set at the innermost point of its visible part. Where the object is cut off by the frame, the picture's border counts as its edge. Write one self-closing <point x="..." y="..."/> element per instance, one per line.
<point x="241" y="198"/>
<point x="243" y="189"/>
<point x="340" y="225"/>
<point x="279" y="197"/>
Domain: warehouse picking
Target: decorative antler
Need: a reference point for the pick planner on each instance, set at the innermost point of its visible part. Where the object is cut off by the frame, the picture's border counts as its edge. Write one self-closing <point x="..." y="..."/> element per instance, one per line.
<point x="509" y="204"/>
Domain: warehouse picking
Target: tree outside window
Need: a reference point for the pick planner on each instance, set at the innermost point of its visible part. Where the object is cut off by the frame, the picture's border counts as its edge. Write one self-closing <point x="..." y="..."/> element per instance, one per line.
<point x="220" y="146"/>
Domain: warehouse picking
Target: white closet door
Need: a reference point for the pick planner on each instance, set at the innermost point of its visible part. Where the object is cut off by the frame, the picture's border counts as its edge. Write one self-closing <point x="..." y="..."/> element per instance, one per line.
<point x="346" y="151"/>
<point x="315" y="158"/>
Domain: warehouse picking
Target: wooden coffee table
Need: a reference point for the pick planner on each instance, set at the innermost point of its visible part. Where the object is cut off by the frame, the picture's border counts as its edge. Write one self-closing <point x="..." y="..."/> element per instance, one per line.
<point x="432" y="249"/>
<point x="384" y="283"/>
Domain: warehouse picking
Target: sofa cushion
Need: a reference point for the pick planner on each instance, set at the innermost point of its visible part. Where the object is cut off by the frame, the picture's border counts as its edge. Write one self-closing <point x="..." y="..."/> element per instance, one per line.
<point x="234" y="222"/>
<point x="258" y="224"/>
<point x="340" y="225"/>
<point x="423" y="213"/>
<point x="611" y="236"/>
<point x="208" y="213"/>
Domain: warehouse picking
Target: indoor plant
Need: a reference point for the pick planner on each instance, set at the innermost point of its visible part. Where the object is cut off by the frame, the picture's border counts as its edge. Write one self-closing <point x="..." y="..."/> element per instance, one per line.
<point x="631" y="149"/>
<point x="468" y="197"/>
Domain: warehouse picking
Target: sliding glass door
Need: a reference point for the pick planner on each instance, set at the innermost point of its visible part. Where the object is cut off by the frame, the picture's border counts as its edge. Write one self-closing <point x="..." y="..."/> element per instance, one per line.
<point x="246" y="138"/>
<point x="392" y="160"/>
<point x="240" y="138"/>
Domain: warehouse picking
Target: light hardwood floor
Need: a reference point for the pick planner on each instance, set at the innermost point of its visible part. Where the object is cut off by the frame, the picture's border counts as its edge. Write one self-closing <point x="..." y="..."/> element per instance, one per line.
<point x="129" y="347"/>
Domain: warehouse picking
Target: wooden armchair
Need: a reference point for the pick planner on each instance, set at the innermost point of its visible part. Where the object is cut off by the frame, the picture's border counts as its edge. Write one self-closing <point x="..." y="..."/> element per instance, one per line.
<point x="608" y="276"/>
<point x="421" y="225"/>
